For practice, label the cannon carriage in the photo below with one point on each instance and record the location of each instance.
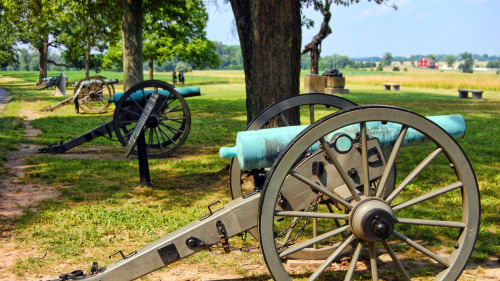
(334, 193)
(167, 128)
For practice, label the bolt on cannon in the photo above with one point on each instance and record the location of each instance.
(336, 191)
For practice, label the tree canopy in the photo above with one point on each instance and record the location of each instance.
(38, 23)
(8, 54)
(178, 33)
(168, 29)
(91, 25)
(450, 60)
(386, 59)
(467, 66)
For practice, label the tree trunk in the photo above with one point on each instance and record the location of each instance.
(270, 38)
(315, 60)
(132, 42)
(150, 68)
(87, 59)
(88, 35)
(314, 47)
(43, 51)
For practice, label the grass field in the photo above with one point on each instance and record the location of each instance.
(101, 209)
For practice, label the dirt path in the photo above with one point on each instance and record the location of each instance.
(16, 197)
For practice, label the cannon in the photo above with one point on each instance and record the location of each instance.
(90, 95)
(259, 149)
(50, 82)
(340, 202)
(167, 127)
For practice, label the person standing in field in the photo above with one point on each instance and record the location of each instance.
(181, 77)
(174, 77)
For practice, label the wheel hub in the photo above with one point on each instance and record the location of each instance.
(372, 220)
(93, 95)
(153, 121)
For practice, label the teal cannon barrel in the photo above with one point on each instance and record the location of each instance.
(258, 149)
(185, 92)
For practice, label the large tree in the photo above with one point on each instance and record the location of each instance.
(172, 32)
(270, 38)
(169, 20)
(73, 26)
(38, 23)
(175, 30)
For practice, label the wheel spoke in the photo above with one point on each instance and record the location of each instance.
(173, 120)
(413, 174)
(161, 135)
(320, 188)
(170, 101)
(431, 222)
(172, 128)
(164, 101)
(421, 249)
(364, 156)
(331, 258)
(311, 215)
(165, 134)
(132, 112)
(396, 260)
(428, 196)
(354, 261)
(159, 141)
(290, 231)
(174, 109)
(315, 240)
(311, 113)
(390, 162)
(136, 103)
(337, 223)
(283, 118)
(127, 122)
(373, 261)
(128, 133)
(347, 180)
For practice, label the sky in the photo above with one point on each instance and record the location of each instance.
(367, 29)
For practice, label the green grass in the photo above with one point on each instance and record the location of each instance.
(101, 208)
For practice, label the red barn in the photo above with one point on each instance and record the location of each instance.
(427, 62)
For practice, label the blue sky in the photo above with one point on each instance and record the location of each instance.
(417, 27)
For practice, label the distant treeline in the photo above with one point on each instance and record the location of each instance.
(232, 59)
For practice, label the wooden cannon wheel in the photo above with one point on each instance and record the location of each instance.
(93, 93)
(168, 126)
(432, 214)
